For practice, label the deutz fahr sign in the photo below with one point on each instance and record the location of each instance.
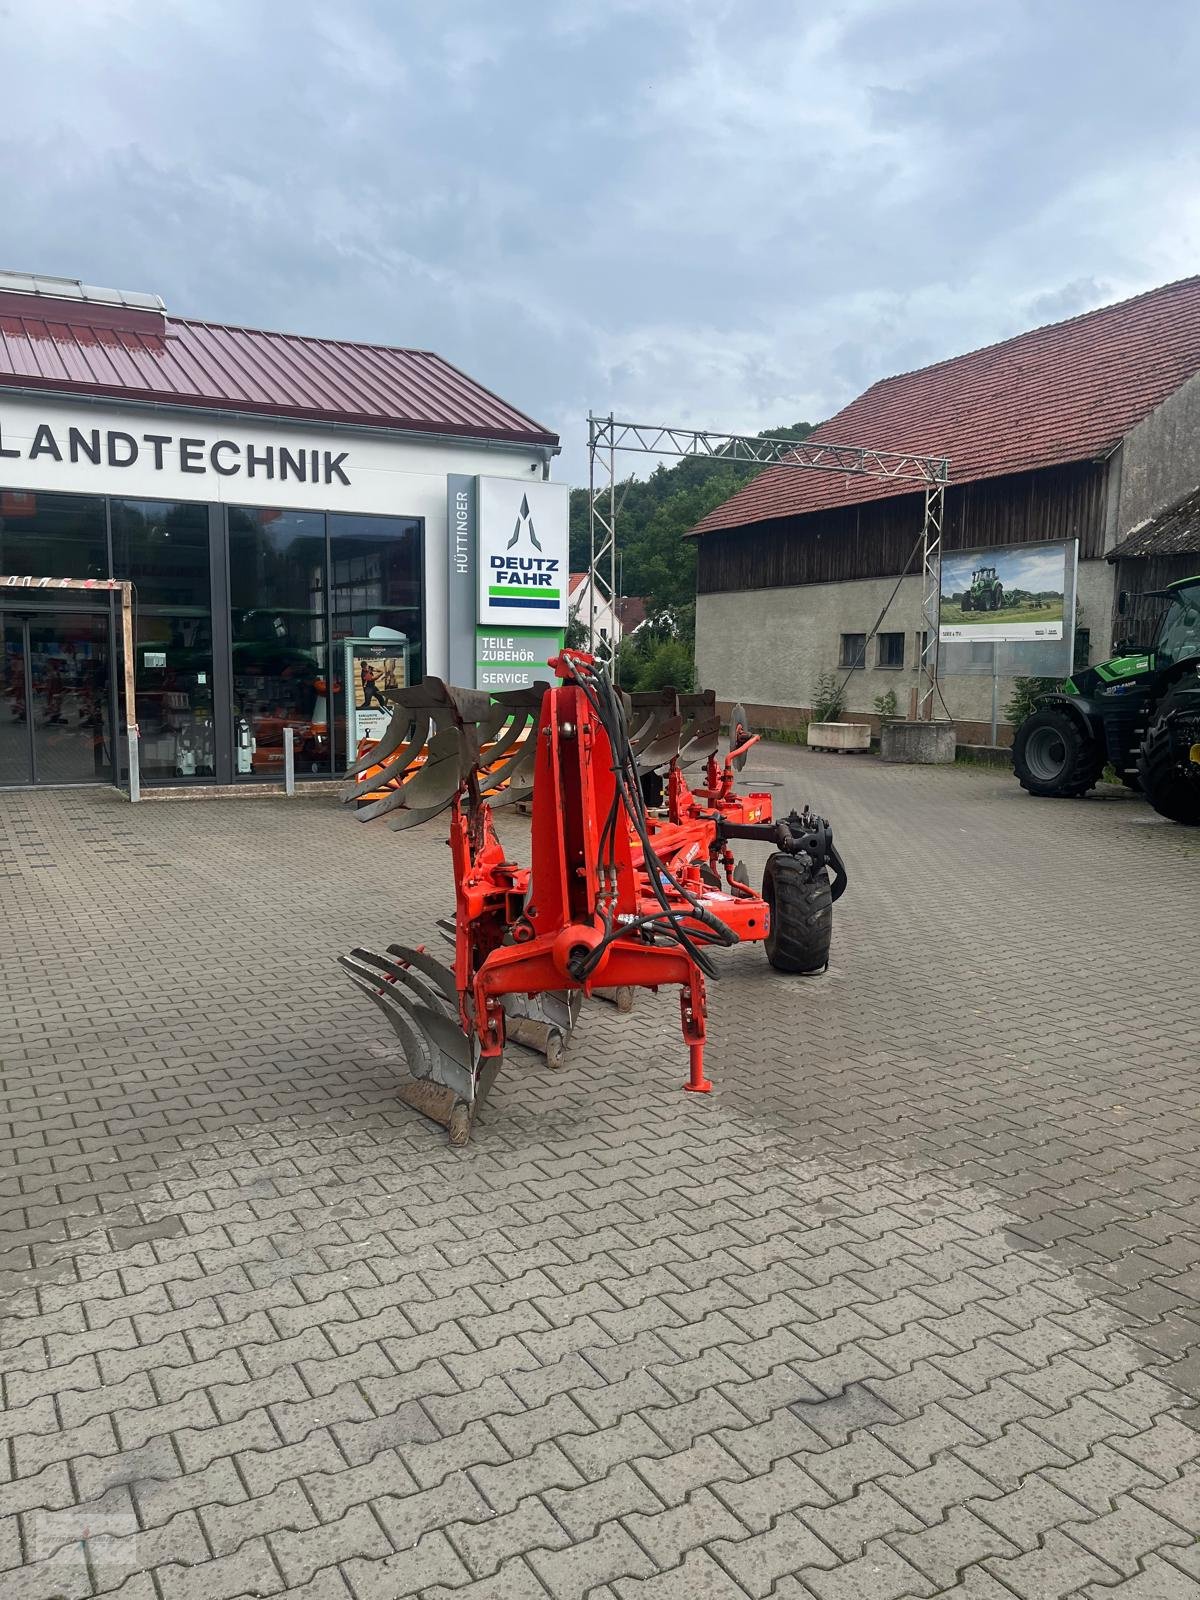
(522, 553)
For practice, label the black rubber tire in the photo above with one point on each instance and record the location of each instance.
(1054, 756)
(801, 908)
(1170, 780)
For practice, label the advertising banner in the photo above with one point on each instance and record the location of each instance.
(371, 668)
(522, 553)
(1013, 593)
(513, 658)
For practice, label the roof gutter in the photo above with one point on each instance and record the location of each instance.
(546, 452)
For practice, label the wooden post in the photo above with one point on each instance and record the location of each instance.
(127, 647)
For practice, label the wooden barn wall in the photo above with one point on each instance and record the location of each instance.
(875, 540)
(1139, 575)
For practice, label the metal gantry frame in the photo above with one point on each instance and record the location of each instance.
(607, 436)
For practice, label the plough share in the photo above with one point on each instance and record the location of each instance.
(620, 894)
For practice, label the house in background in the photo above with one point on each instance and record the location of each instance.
(615, 624)
(1088, 429)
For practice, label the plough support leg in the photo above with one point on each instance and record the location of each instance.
(691, 1011)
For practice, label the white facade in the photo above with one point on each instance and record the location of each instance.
(185, 453)
(607, 623)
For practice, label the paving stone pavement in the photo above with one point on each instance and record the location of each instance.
(909, 1307)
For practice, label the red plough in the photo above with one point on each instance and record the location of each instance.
(618, 896)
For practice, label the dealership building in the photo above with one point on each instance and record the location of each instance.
(1083, 434)
(272, 499)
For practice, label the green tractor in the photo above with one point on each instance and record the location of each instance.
(1140, 711)
(986, 592)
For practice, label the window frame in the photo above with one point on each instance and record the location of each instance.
(889, 666)
(220, 616)
(860, 661)
(332, 642)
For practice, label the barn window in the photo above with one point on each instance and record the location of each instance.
(854, 650)
(891, 650)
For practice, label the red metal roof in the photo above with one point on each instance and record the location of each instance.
(139, 355)
(1067, 392)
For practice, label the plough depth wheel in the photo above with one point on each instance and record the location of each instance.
(801, 905)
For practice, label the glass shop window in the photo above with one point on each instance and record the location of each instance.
(277, 593)
(52, 535)
(162, 547)
(376, 591)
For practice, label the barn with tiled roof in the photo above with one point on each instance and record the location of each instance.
(1079, 431)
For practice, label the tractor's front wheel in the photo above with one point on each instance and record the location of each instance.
(1169, 760)
(1053, 755)
(801, 908)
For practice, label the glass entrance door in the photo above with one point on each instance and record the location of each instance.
(56, 715)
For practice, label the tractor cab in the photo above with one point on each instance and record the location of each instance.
(1138, 711)
(1178, 636)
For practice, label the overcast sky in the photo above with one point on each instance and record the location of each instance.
(723, 213)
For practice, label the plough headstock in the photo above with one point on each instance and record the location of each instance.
(617, 897)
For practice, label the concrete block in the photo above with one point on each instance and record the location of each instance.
(928, 743)
(840, 735)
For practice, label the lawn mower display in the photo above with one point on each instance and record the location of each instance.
(1140, 711)
(617, 896)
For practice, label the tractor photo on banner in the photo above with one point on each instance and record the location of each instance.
(1008, 594)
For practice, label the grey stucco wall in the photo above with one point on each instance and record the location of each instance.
(1094, 603)
(767, 646)
(1159, 459)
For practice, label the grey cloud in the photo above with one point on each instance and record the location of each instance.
(697, 210)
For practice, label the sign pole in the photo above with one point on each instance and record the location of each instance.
(995, 694)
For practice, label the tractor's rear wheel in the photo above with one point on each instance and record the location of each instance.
(1053, 755)
(801, 908)
(1169, 760)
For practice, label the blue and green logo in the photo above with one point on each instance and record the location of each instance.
(525, 582)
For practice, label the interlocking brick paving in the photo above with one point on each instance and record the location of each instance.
(909, 1307)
